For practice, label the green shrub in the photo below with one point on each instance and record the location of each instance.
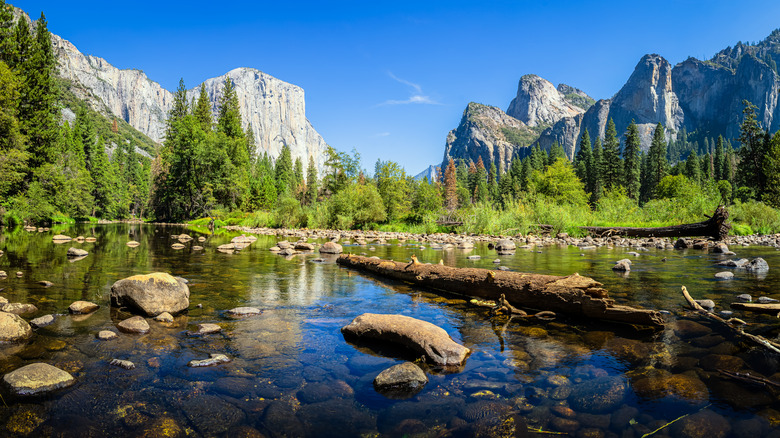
(259, 219)
(757, 215)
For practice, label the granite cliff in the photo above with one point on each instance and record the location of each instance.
(275, 109)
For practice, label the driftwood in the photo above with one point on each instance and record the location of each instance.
(737, 332)
(715, 227)
(751, 380)
(773, 308)
(572, 295)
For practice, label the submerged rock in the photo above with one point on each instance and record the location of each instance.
(13, 328)
(126, 364)
(741, 263)
(419, 336)
(704, 424)
(105, 335)
(757, 265)
(76, 252)
(622, 265)
(599, 395)
(135, 324)
(151, 294)
(37, 378)
(215, 359)
(82, 307)
(244, 311)
(725, 275)
(400, 381)
(42, 321)
(206, 329)
(164, 317)
(61, 238)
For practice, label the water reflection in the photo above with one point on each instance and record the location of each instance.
(293, 374)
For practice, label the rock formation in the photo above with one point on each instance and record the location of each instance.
(275, 110)
(538, 102)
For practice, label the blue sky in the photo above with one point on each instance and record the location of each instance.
(390, 79)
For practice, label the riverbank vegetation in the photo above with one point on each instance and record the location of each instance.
(57, 168)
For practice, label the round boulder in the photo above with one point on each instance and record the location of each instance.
(135, 324)
(331, 248)
(13, 328)
(151, 294)
(37, 378)
(400, 381)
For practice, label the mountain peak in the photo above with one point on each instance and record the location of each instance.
(539, 103)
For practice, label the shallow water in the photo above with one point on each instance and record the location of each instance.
(293, 374)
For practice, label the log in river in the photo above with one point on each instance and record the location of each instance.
(572, 295)
(715, 227)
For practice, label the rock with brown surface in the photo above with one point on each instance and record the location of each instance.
(135, 324)
(75, 252)
(13, 328)
(400, 381)
(419, 336)
(82, 307)
(331, 248)
(151, 294)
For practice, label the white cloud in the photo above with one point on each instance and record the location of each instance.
(416, 94)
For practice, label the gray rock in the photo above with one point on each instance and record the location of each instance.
(600, 395)
(19, 308)
(331, 248)
(76, 252)
(135, 324)
(400, 381)
(538, 102)
(765, 300)
(42, 321)
(741, 263)
(244, 311)
(622, 265)
(419, 336)
(720, 248)
(215, 359)
(151, 294)
(304, 246)
(757, 265)
(707, 304)
(60, 238)
(82, 307)
(133, 244)
(126, 364)
(506, 245)
(37, 378)
(745, 297)
(473, 257)
(206, 329)
(725, 275)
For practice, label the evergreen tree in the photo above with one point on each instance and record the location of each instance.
(752, 152)
(38, 112)
(493, 182)
(516, 175)
(481, 191)
(229, 120)
(658, 167)
(612, 165)
(180, 107)
(692, 167)
(538, 158)
(584, 161)
(597, 172)
(7, 46)
(525, 174)
(284, 173)
(632, 162)
(312, 187)
(719, 161)
(772, 170)
(298, 183)
(251, 146)
(202, 110)
(505, 188)
(556, 152)
(13, 147)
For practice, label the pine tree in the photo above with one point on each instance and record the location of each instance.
(632, 162)
(202, 110)
(251, 146)
(597, 172)
(612, 165)
(556, 152)
(692, 167)
(658, 167)
(493, 182)
(719, 160)
(481, 191)
(450, 186)
(229, 120)
(38, 112)
(13, 147)
(298, 186)
(538, 158)
(311, 182)
(505, 188)
(752, 152)
(772, 170)
(7, 48)
(516, 175)
(284, 173)
(584, 160)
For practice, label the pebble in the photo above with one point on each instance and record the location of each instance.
(126, 364)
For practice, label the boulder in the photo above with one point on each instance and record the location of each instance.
(82, 307)
(13, 328)
(304, 246)
(151, 294)
(741, 263)
(135, 324)
(75, 252)
(505, 245)
(757, 265)
(400, 381)
(683, 243)
(59, 238)
(105, 335)
(42, 321)
(725, 275)
(37, 378)
(164, 317)
(703, 424)
(19, 308)
(206, 329)
(422, 337)
(244, 311)
(331, 248)
(622, 265)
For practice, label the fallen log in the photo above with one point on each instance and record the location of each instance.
(715, 227)
(737, 332)
(572, 295)
(771, 308)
